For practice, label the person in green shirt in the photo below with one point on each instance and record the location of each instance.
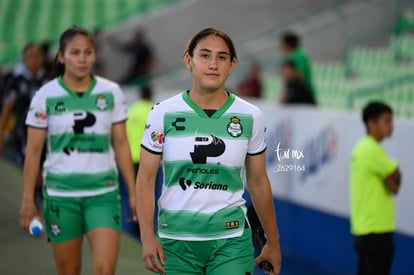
(291, 46)
(374, 178)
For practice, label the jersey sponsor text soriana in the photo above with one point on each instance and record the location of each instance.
(203, 159)
(80, 160)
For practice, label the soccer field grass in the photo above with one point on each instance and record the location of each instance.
(23, 254)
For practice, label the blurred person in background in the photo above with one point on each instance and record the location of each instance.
(205, 137)
(141, 58)
(290, 45)
(135, 125)
(295, 90)
(2, 80)
(80, 118)
(49, 62)
(25, 79)
(137, 116)
(251, 86)
(20, 86)
(374, 178)
(98, 67)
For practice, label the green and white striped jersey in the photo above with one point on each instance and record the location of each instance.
(80, 160)
(203, 158)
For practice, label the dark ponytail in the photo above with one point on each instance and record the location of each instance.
(58, 68)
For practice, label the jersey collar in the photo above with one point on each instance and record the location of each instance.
(201, 112)
(72, 93)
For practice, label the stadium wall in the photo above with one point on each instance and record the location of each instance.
(310, 184)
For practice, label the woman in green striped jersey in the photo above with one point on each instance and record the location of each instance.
(205, 137)
(81, 119)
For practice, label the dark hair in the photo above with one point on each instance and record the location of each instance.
(28, 46)
(206, 32)
(67, 36)
(374, 109)
(45, 45)
(146, 92)
(291, 39)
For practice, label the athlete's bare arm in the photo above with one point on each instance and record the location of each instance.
(258, 185)
(35, 142)
(152, 253)
(124, 161)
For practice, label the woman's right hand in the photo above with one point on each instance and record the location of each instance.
(27, 212)
(153, 255)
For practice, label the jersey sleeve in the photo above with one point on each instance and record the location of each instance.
(257, 143)
(379, 163)
(119, 113)
(37, 114)
(153, 136)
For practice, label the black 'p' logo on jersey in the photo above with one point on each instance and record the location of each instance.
(83, 120)
(207, 146)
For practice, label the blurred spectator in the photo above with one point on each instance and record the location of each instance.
(48, 59)
(98, 67)
(295, 89)
(291, 46)
(2, 80)
(141, 58)
(25, 79)
(374, 178)
(251, 86)
(137, 116)
(135, 125)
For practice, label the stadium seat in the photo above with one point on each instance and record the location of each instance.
(377, 73)
(38, 21)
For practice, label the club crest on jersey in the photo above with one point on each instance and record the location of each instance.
(101, 102)
(234, 128)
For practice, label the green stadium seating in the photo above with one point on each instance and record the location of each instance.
(22, 21)
(369, 73)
